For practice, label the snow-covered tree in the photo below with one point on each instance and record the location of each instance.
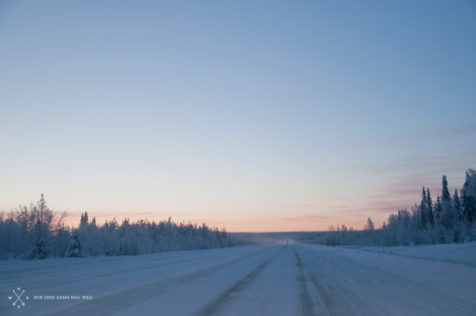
(457, 206)
(37, 232)
(423, 224)
(445, 193)
(429, 208)
(74, 249)
(423, 209)
(84, 221)
(469, 197)
(39, 251)
(447, 213)
(438, 210)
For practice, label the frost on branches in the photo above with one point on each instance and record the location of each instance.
(36, 232)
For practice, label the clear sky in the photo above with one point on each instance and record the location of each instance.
(253, 115)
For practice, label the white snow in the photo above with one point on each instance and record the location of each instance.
(297, 279)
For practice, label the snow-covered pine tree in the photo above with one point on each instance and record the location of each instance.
(445, 193)
(438, 210)
(447, 218)
(457, 206)
(468, 197)
(84, 220)
(429, 207)
(74, 249)
(469, 207)
(423, 209)
(39, 251)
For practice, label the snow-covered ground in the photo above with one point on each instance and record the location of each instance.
(293, 279)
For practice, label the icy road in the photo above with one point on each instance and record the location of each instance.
(253, 280)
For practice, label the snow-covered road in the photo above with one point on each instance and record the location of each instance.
(293, 279)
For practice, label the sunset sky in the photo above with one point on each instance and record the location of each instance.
(252, 115)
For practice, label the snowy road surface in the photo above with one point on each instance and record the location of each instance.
(290, 279)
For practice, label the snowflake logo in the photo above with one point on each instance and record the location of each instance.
(18, 302)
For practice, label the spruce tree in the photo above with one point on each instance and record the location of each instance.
(469, 208)
(39, 251)
(447, 216)
(84, 220)
(445, 193)
(74, 249)
(438, 210)
(457, 206)
(42, 203)
(429, 207)
(468, 197)
(423, 211)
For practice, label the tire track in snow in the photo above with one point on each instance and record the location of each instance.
(120, 272)
(117, 301)
(463, 302)
(335, 298)
(217, 304)
(335, 275)
(317, 298)
(306, 299)
(52, 271)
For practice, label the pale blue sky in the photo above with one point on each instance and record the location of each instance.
(255, 115)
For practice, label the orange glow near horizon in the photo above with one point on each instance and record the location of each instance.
(279, 224)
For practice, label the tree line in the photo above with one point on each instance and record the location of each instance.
(36, 232)
(451, 218)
